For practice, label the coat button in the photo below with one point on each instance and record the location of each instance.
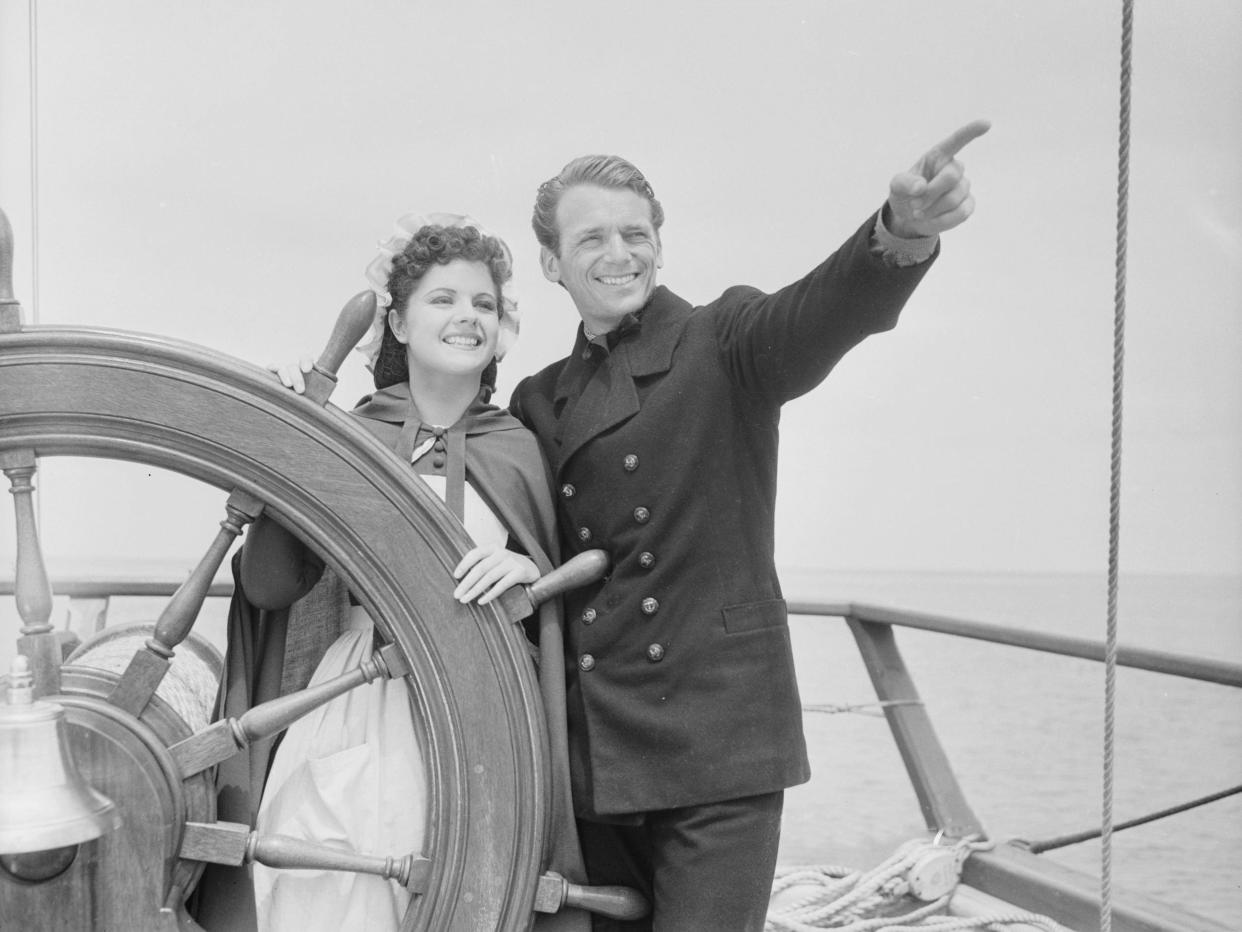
(630, 462)
(586, 663)
(437, 461)
(655, 653)
(641, 514)
(568, 491)
(588, 616)
(646, 559)
(650, 606)
(584, 534)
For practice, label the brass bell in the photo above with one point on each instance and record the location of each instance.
(46, 808)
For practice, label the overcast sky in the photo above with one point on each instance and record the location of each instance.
(220, 172)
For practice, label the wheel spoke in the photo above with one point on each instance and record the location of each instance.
(555, 893)
(10, 307)
(31, 588)
(225, 738)
(233, 843)
(351, 326)
(141, 679)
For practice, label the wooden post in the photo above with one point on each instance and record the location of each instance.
(940, 797)
(88, 615)
(10, 308)
(143, 675)
(31, 588)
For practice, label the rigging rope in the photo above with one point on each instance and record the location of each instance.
(1114, 491)
(34, 162)
(1061, 841)
(861, 708)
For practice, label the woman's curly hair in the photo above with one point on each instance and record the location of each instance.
(436, 245)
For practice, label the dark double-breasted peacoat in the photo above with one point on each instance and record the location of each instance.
(663, 446)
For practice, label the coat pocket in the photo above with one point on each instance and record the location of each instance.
(754, 616)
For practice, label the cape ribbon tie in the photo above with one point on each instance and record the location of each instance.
(454, 438)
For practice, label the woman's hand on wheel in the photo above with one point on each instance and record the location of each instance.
(486, 572)
(293, 375)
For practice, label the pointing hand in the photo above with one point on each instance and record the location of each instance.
(934, 195)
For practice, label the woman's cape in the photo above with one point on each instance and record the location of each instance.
(504, 465)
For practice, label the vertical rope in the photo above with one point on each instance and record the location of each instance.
(35, 305)
(34, 161)
(1114, 496)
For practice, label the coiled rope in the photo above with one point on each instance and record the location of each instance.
(1114, 488)
(192, 680)
(811, 899)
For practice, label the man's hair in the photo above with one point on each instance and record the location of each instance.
(606, 171)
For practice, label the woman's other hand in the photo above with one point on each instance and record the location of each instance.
(485, 572)
(293, 375)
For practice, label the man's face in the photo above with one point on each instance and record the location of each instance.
(609, 253)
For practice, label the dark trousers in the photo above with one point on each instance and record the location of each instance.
(703, 868)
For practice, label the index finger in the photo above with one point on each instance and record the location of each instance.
(469, 559)
(956, 142)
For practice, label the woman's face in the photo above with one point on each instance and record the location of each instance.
(452, 320)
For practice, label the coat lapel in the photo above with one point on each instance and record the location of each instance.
(608, 399)
(611, 397)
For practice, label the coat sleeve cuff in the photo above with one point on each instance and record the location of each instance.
(899, 252)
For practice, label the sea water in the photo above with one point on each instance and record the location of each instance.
(1024, 731)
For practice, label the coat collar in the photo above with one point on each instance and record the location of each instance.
(646, 350)
(610, 396)
(391, 405)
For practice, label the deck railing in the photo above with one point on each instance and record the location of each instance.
(1008, 871)
(90, 598)
(1194, 668)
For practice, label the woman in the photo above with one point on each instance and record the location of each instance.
(351, 774)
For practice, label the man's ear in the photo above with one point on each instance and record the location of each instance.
(550, 264)
(659, 251)
(396, 322)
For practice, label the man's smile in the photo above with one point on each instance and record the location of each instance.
(617, 279)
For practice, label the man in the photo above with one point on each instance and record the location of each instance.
(661, 430)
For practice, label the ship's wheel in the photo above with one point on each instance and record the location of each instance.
(207, 416)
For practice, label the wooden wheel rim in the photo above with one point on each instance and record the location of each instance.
(210, 417)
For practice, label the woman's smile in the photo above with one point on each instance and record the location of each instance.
(464, 340)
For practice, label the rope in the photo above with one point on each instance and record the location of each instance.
(1114, 489)
(862, 708)
(34, 161)
(193, 678)
(1061, 841)
(837, 898)
(948, 923)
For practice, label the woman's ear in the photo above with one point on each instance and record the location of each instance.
(396, 323)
